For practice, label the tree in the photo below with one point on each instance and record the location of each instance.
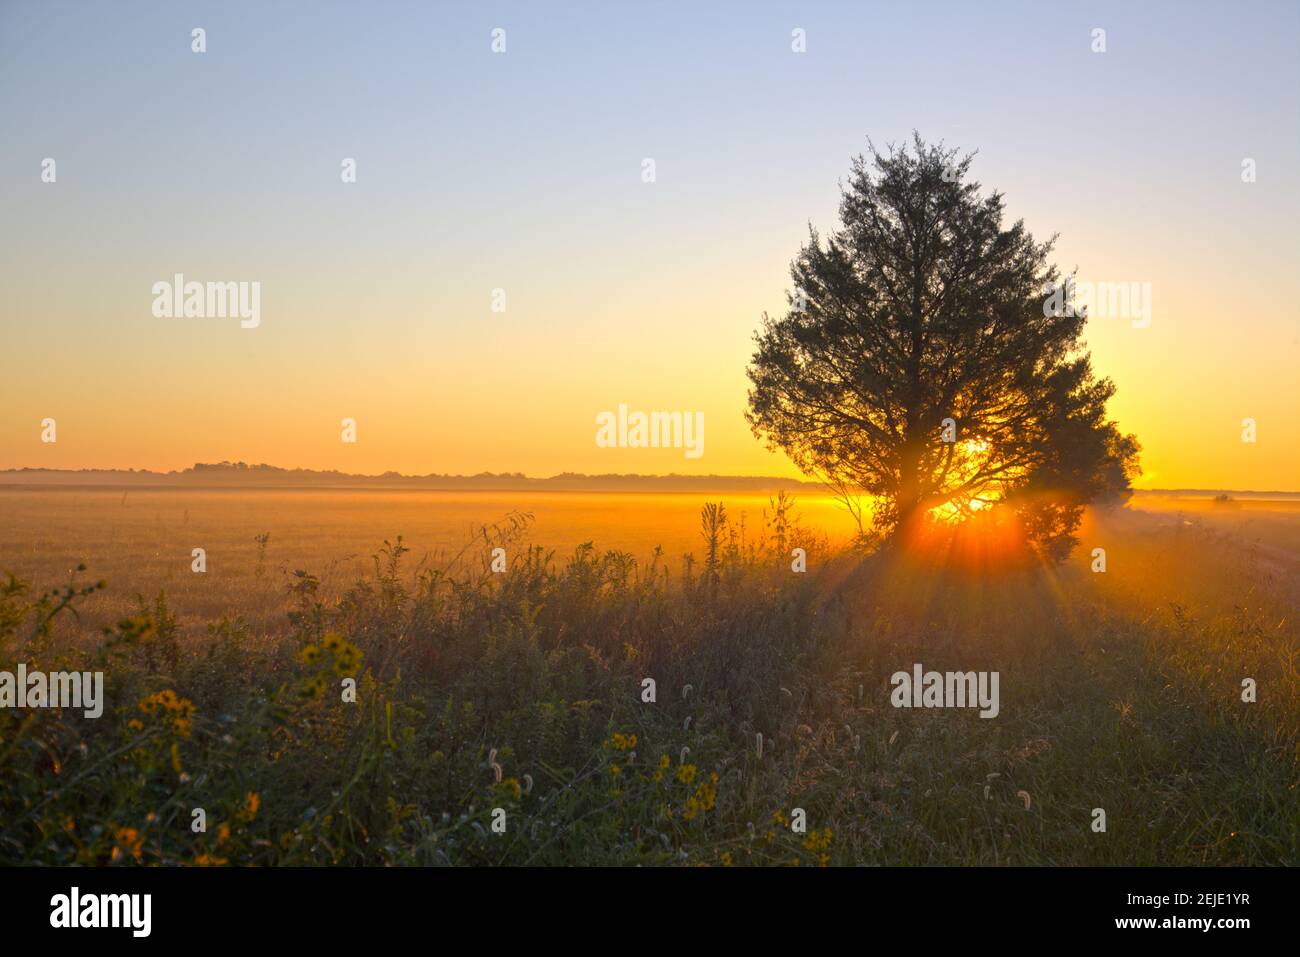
(919, 364)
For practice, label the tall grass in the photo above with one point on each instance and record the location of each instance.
(503, 718)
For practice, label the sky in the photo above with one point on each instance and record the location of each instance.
(522, 171)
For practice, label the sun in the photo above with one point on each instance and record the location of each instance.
(968, 457)
(958, 510)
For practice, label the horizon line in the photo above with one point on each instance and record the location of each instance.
(392, 475)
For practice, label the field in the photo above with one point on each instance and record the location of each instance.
(501, 718)
(141, 540)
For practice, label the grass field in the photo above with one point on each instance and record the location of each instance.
(141, 540)
(516, 699)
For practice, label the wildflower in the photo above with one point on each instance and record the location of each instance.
(333, 642)
(177, 711)
(664, 762)
(252, 801)
(347, 662)
(725, 858)
(309, 655)
(313, 687)
(128, 843)
(818, 840)
(707, 793)
(686, 773)
(621, 742)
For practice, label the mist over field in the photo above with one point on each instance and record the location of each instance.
(140, 539)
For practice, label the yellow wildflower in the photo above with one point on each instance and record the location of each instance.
(707, 793)
(179, 711)
(252, 802)
(818, 840)
(347, 661)
(128, 843)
